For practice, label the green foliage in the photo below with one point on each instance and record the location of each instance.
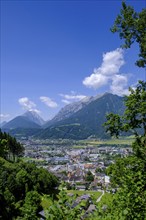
(89, 177)
(31, 206)
(3, 148)
(17, 180)
(99, 170)
(134, 118)
(68, 186)
(131, 27)
(21, 184)
(94, 194)
(128, 175)
(9, 148)
(64, 208)
(105, 210)
(46, 201)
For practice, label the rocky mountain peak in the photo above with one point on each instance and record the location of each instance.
(34, 117)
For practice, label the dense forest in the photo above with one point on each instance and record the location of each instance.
(21, 183)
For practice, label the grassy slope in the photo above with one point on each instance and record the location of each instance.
(113, 141)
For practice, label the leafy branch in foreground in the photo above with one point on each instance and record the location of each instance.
(64, 209)
(131, 27)
(128, 175)
(134, 118)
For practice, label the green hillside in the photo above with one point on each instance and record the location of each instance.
(20, 122)
(86, 122)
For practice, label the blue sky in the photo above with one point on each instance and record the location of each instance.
(57, 52)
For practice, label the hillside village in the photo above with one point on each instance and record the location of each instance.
(81, 166)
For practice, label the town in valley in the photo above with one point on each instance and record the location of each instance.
(80, 164)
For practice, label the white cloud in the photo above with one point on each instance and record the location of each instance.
(48, 102)
(112, 62)
(4, 116)
(119, 85)
(95, 80)
(108, 72)
(65, 101)
(68, 98)
(28, 105)
(35, 110)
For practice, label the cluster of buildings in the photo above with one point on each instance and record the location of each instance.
(73, 163)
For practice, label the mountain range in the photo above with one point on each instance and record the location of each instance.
(79, 120)
(69, 110)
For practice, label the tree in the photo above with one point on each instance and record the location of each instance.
(3, 148)
(31, 206)
(65, 208)
(21, 184)
(68, 186)
(131, 27)
(89, 176)
(134, 118)
(99, 170)
(128, 175)
(10, 148)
